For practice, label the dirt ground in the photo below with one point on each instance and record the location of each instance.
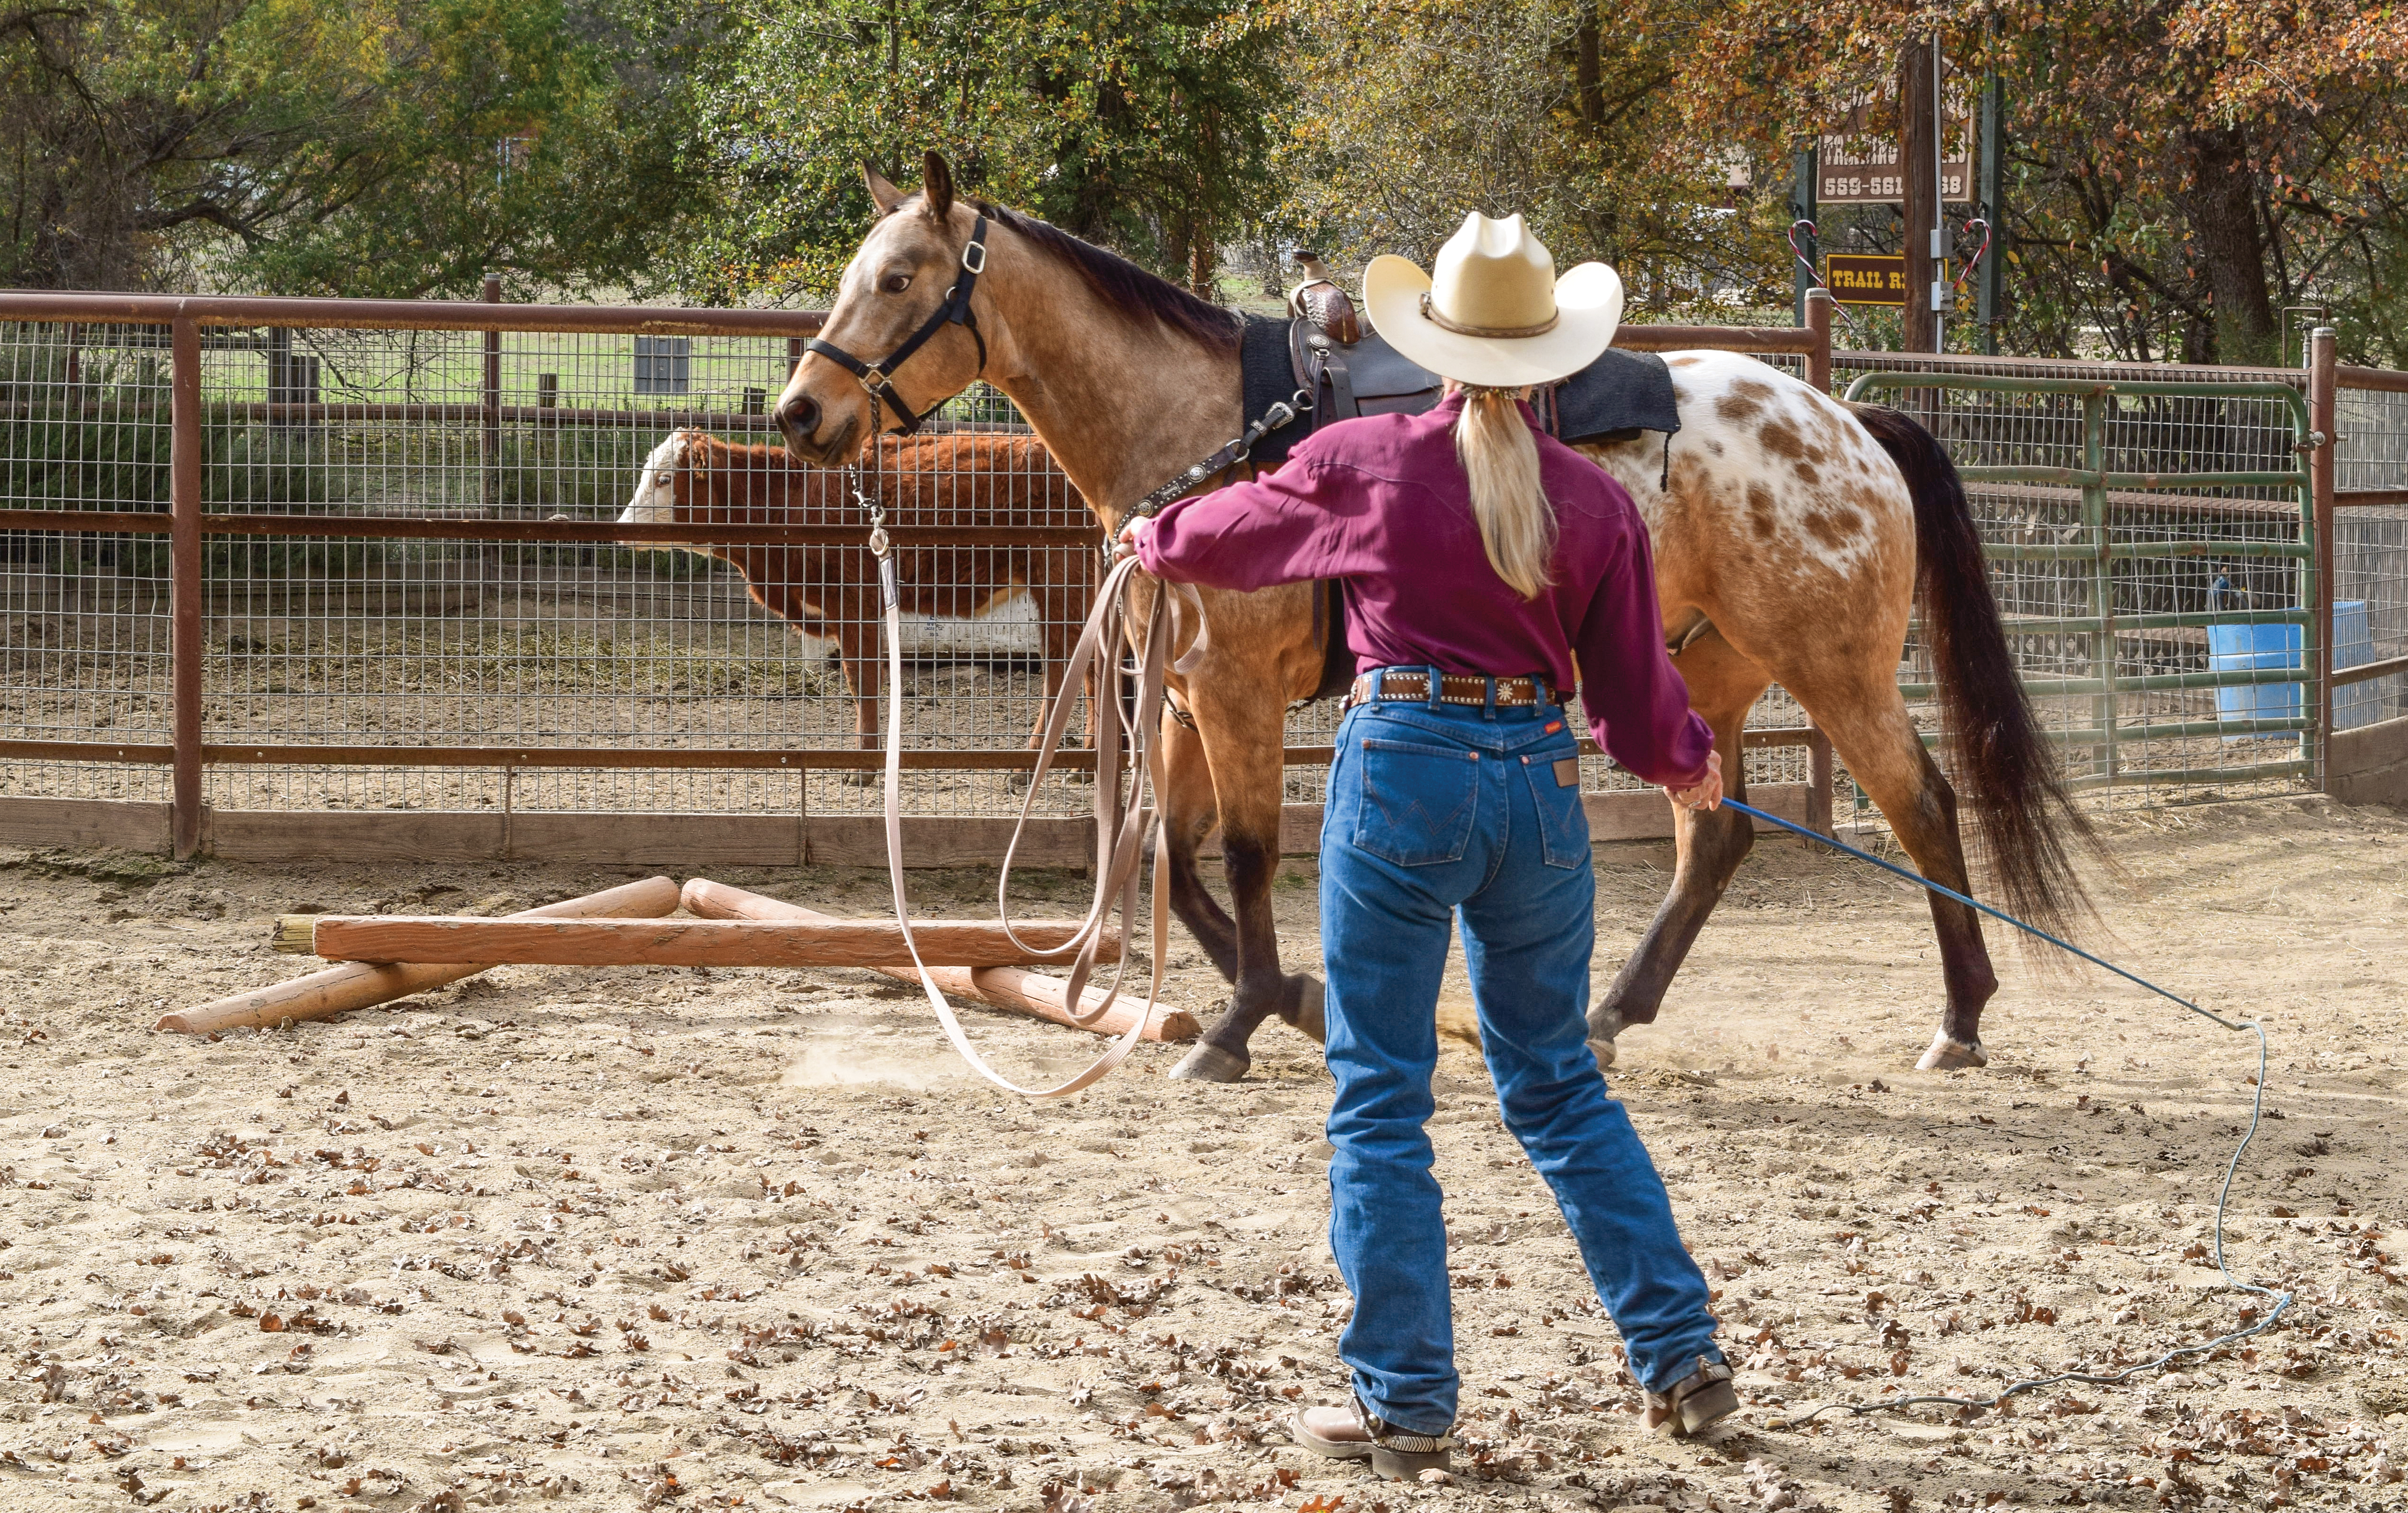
(647, 1237)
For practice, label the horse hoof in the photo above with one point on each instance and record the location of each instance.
(1604, 1025)
(1601, 1046)
(1210, 1064)
(1308, 1018)
(1948, 1054)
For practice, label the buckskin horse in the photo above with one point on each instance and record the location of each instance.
(1791, 535)
(694, 479)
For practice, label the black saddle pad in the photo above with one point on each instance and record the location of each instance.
(1619, 394)
(1268, 379)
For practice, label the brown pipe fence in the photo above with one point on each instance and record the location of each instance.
(402, 495)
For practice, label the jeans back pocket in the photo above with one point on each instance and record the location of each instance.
(1414, 804)
(1563, 819)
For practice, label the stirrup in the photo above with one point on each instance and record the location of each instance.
(1695, 1404)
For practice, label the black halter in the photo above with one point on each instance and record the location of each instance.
(877, 378)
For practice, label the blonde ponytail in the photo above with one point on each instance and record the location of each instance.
(1518, 525)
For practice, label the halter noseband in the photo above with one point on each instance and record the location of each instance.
(877, 378)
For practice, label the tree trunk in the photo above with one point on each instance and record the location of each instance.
(1916, 88)
(1589, 87)
(2221, 203)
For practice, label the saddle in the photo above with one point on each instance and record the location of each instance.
(1322, 352)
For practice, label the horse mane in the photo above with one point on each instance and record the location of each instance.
(1124, 286)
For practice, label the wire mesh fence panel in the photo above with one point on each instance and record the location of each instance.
(2370, 558)
(83, 614)
(695, 653)
(522, 629)
(2153, 619)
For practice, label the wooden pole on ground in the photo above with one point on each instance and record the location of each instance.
(669, 942)
(360, 985)
(1003, 988)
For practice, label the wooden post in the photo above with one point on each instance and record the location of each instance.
(1918, 162)
(359, 985)
(489, 435)
(186, 623)
(1818, 321)
(672, 942)
(1004, 988)
(1820, 777)
(2322, 420)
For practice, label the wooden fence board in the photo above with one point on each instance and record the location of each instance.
(85, 824)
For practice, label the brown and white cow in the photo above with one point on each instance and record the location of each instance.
(947, 479)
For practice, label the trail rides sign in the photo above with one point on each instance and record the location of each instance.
(1858, 166)
(1868, 278)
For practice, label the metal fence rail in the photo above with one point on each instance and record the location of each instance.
(270, 570)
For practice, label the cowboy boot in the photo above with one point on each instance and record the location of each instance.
(1354, 1433)
(1695, 1404)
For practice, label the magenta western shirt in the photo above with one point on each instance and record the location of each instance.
(1382, 504)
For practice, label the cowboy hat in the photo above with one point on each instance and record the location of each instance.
(1492, 312)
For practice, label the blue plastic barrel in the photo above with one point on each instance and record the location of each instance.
(2240, 648)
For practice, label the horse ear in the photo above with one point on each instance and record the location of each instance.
(882, 189)
(936, 186)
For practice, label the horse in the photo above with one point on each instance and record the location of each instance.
(693, 479)
(1792, 535)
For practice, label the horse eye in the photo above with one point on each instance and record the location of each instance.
(896, 282)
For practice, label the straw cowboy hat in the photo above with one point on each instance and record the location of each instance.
(1492, 312)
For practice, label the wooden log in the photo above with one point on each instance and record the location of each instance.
(1003, 988)
(359, 985)
(667, 942)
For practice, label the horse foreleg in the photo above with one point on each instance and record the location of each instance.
(1188, 816)
(1888, 759)
(1241, 740)
(1723, 686)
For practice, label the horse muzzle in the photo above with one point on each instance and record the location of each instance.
(800, 421)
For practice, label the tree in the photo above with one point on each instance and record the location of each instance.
(1145, 125)
(1413, 111)
(388, 147)
(2181, 169)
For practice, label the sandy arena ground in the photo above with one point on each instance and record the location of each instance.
(660, 1238)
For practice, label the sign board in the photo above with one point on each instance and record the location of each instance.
(1856, 167)
(1868, 278)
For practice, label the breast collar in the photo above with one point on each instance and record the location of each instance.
(877, 378)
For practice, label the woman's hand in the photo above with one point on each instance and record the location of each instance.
(1131, 529)
(1708, 793)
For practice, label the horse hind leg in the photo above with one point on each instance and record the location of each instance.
(1723, 686)
(1874, 735)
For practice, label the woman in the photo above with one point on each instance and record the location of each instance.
(1485, 566)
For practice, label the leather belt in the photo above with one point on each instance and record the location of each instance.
(1413, 685)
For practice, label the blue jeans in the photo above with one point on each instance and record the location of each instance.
(1445, 812)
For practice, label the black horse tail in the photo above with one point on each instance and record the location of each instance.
(2022, 814)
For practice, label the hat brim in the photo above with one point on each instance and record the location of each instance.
(1588, 309)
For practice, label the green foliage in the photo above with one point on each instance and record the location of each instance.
(1415, 111)
(1141, 125)
(351, 146)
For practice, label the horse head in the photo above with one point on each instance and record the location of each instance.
(895, 337)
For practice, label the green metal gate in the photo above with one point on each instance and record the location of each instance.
(2146, 566)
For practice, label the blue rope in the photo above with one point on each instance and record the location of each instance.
(2257, 1106)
